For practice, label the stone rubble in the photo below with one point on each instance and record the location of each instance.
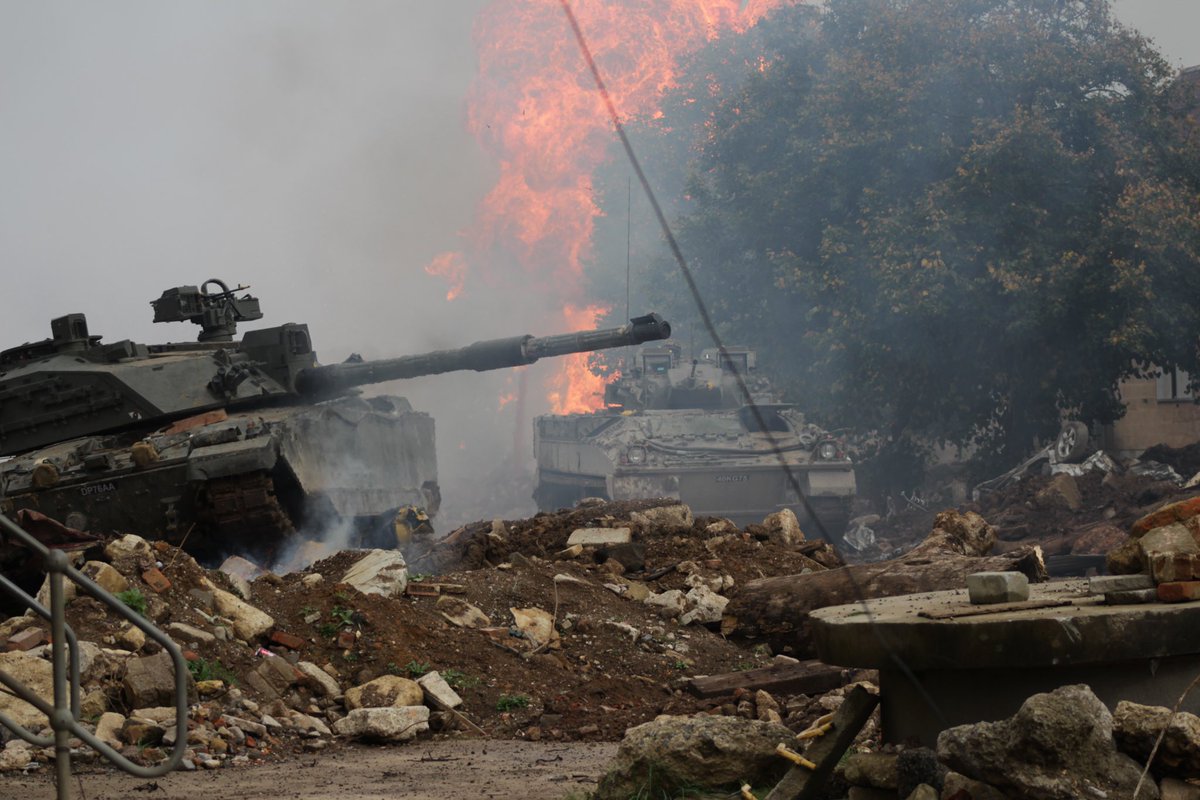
(1058, 744)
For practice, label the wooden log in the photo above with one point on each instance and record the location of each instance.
(777, 609)
(802, 783)
(784, 677)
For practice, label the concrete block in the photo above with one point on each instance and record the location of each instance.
(600, 536)
(1131, 597)
(1107, 584)
(997, 587)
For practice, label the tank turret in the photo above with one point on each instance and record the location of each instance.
(244, 440)
(660, 379)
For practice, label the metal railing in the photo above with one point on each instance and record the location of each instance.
(63, 715)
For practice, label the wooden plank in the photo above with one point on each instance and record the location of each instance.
(783, 677)
(992, 608)
(804, 784)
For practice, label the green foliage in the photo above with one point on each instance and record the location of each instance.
(416, 669)
(328, 630)
(459, 680)
(342, 617)
(204, 670)
(134, 599)
(962, 218)
(511, 702)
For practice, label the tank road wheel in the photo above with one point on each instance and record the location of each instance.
(1072, 442)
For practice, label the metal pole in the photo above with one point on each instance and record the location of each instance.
(61, 720)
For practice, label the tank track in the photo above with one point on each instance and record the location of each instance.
(244, 509)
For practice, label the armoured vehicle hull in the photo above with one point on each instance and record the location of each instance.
(227, 446)
(243, 483)
(708, 459)
(672, 431)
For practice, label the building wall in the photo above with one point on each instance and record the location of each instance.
(1156, 412)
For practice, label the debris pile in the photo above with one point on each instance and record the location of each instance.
(1076, 513)
(1060, 745)
(567, 626)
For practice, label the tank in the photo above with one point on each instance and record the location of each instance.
(228, 446)
(679, 429)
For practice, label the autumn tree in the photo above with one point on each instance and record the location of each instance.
(946, 220)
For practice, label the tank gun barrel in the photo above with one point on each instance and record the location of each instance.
(491, 354)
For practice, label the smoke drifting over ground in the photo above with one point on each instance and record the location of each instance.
(317, 152)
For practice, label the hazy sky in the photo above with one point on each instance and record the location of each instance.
(313, 149)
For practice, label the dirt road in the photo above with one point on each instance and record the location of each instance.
(422, 771)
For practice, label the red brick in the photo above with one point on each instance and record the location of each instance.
(156, 580)
(346, 639)
(422, 590)
(27, 639)
(288, 640)
(1176, 512)
(1179, 591)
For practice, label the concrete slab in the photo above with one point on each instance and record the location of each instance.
(942, 662)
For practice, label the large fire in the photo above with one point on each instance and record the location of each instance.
(535, 108)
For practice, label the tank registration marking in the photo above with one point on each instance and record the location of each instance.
(97, 488)
(732, 478)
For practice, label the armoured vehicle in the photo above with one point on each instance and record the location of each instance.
(673, 429)
(229, 446)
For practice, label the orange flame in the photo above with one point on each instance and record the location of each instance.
(535, 108)
(576, 389)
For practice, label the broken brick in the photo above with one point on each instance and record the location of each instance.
(156, 580)
(345, 639)
(288, 640)
(27, 639)
(1176, 512)
(1179, 591)
(1174, 567)
(422, 590)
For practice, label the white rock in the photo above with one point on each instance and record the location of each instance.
(707, 606)
(305, 722)
(132, 637)
(190, 633)
(248, 622)
(595, 537)
(438, 692)
(108, 729)
(396, 724)
(669, 517)
(37, 675)
(129, 546)
(15, 755)
(673, 602)
(381, 572)
(537, 625)
(319, 679)
(105, 576)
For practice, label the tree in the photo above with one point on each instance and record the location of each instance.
(954, 220)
